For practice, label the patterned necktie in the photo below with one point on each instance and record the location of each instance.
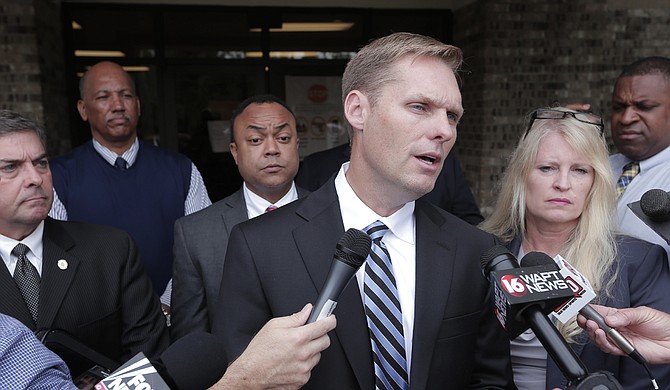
(271, 208)
(384, 317)
(27, 279)
(630, 170)
(120, 163)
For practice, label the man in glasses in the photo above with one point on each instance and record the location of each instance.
(641, 133)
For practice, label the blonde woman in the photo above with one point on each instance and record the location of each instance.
(558, 196)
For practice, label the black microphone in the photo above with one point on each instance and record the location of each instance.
(350, 253)
(194, 362)
(78, 356)
(587, 310)
(653, 209)
(498, 258)
(655, 203)
(516, 288)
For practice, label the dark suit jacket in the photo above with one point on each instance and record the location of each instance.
(200, 242)
(643, 280)
(278, 262)
(103, 297)
(451, 191)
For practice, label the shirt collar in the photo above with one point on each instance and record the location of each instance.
(357, 215)
(33, 241)
(659, 158)
(256, 205)
(129, 155)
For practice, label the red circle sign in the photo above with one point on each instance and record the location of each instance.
(317, 93)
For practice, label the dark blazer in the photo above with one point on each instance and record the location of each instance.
(200, 242)
(451, 191)
(100, 294)
(643, 280)
(279, 261)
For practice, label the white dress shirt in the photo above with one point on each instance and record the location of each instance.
(33, 241)
(257, 205)
(400, 242)
(654, 173)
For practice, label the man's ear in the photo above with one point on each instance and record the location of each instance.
(356, 109)
(233, 151)
(81, 107)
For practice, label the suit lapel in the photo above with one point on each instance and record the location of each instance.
(316, 240)
(236, 210)
(435, 259)
(58, 271)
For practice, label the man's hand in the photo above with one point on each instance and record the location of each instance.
(648, 329)
(584, 107)
(281, 355)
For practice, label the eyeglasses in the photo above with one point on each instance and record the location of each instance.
(585, 117)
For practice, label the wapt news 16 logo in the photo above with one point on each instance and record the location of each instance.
(515, 289)
(533, 280)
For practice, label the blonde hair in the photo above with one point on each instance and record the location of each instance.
(591, 248)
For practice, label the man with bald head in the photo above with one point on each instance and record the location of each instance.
(119, 180)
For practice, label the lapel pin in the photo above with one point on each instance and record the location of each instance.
(62, 264)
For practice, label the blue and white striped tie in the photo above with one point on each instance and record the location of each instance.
(384, 316)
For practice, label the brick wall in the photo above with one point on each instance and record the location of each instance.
(524, 54)
(520, 55)
(32, 66)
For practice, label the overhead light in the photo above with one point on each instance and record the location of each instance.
(310, 27)
(99, 53)
(136, 68)
(76, 26)
(284, 54)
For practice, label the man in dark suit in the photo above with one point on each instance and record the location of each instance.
(451, 191)
(85, 279)
(265, 148)
(401, 98)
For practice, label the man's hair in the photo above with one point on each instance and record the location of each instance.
(646, 66)
(12, 122)
(256, 99)
(370, 69)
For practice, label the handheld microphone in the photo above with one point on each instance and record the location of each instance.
(653, 209)
(350, 253)
(515, 289)
(655, 203)
(194, 362)
(584, 293)
(498, 258)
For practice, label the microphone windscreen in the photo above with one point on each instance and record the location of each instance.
(655, 204)
(532, 259)
(491, 254)
(353, 247)
(195, 361)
